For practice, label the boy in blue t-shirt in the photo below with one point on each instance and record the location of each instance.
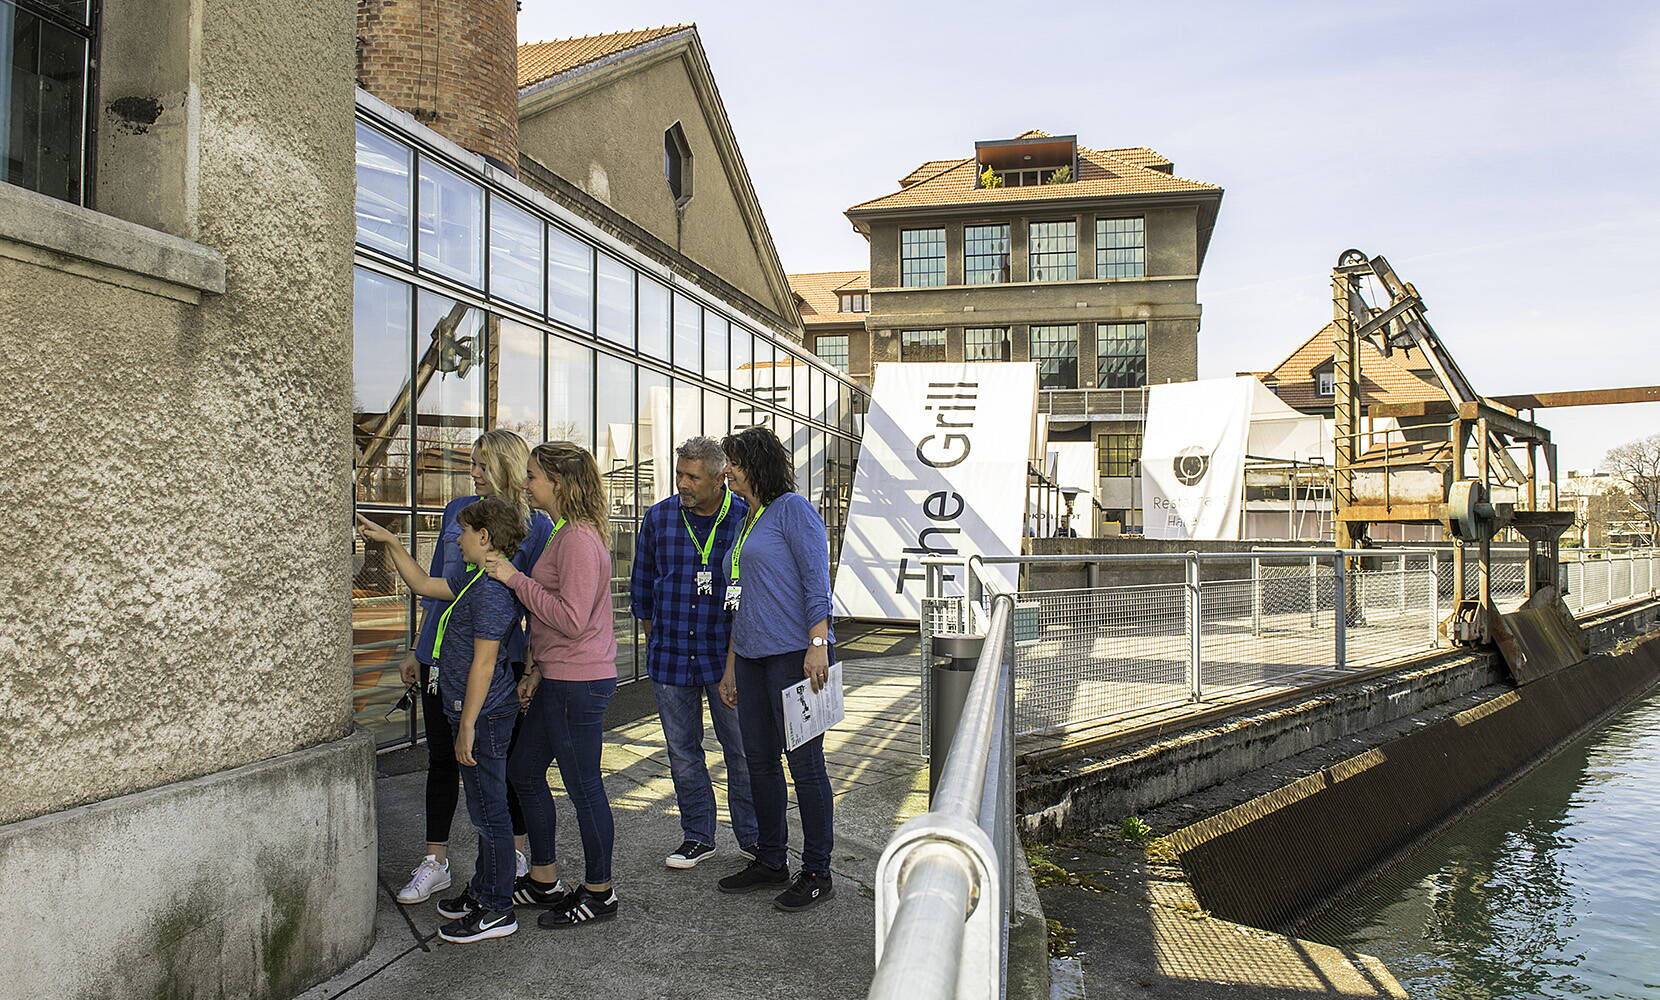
(476, 687)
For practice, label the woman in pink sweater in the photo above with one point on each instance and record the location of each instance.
(573, 646)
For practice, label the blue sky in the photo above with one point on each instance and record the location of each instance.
(1503, 156)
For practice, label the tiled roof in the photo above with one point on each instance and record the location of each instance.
(1382, 379)
(819, 295)
(540, 60)
(1101, 173)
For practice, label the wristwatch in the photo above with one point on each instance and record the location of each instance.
(819, 640)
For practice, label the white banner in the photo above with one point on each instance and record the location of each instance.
(942, 471)
(1193, 457)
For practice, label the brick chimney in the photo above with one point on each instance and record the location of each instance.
(452, 64)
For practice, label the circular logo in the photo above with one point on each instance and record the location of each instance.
(1190, 465)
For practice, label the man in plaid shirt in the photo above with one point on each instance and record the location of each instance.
(676, 592)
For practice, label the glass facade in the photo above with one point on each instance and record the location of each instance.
(985, 254)
(476, 309)
(1120, 248)
(48, 57)
(921, 258)
(1055, 349)
(1121, 355)
(1054, 251)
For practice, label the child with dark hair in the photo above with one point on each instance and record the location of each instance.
(479, 696)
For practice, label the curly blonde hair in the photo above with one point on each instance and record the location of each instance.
(577, 488)
(502, 455)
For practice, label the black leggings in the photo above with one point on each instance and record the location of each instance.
(444, 774)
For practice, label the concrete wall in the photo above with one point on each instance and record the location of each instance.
(619, 161)
(175, 468)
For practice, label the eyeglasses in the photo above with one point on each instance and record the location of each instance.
(407, 702)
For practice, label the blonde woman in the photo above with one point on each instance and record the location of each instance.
(573, 646)
(498, 464)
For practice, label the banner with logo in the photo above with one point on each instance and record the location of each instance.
(1193, 457)
(942, 471)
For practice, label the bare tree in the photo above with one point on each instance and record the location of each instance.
(1638, 463)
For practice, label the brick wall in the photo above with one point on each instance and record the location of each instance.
(453, 64)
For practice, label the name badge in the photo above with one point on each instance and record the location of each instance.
(705, 581)
(734, 593)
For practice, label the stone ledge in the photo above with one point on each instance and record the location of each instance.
(76, 236)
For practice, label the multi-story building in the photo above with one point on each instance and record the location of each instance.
(1035, 248)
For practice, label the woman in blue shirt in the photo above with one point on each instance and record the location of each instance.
(498, 469)
(779, 568)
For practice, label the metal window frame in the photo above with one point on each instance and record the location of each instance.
(905, 274)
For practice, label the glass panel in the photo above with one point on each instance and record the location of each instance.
(656, 479)
(825, 399)
(570, 280)
(449, 415)
(616, 301)
(383, 192)
(654, 319)
(380, 632)
(1055, 349)
(797, 442)
(688, 412)
(42, 105)
(688, 334)
(380, 380)
(816, 472)
(571, 392)
(452, 224)
(743, 357)
(922, 345)
(615, 452)
(1121, 350)
(921, 257)
(1054, 251)
(516, 378)
(985, 254)
(1120, 248)
(984, 343)
(515, 254)
(716, 416)
(832, 348)
(844, 406)
(717, 354)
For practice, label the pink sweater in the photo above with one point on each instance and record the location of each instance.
(568, 595)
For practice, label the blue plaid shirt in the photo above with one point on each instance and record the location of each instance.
(689, 631)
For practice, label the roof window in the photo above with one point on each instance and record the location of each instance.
(1026, 161)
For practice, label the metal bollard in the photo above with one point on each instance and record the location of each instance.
(952, 674)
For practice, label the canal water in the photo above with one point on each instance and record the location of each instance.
(1551, 889)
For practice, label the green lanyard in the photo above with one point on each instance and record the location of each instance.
(707, 545)
(557, 525)
(444, 619)
(738, 546)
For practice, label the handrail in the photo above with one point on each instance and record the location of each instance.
(944, 881)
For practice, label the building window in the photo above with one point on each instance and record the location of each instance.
(48, 51)
(1055, 251)
(985, 254)
(986, 343)
(677, 163)
(384, 193)
(853, 302)
(833, 349)
(1120, 455)
(1325, 384)
(570, 280)
(452, 224)
(922, 345)
(515, 254)
(1055, 349)
(1031, 176)
(1121, 355)
(921, 258)
(1120, 248)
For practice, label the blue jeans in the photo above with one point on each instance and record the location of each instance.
(486, 786)
(681, 709)
(566, 722)
(761, 683)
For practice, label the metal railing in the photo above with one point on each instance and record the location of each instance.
(944, 893)
(1159, 630)
(1101, 403)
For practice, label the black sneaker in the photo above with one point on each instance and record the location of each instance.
(460, 907)
(808, 890)
(583, 906)
(754, 875)
(529, 892)
(688, 854)
(480, 925)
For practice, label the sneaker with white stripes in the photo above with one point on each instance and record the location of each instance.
(529, 892)
(584, 906)
(430, 876)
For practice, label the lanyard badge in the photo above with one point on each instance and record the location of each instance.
(705, 577)
(443, 623)
(734, 592)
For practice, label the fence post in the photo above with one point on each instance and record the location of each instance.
(1195, 623)
(1434, 598)
(1313, 592)
(1256, 594)
(1340, 608)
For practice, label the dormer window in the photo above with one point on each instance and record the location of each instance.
(1325, 384)
(1027, 161)
(677, 163)
(853, 302)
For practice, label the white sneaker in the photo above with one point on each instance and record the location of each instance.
(521, 864)
(430, 876)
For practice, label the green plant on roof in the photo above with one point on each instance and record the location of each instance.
(990, 178)
(1135, 829)
(1062, 175)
